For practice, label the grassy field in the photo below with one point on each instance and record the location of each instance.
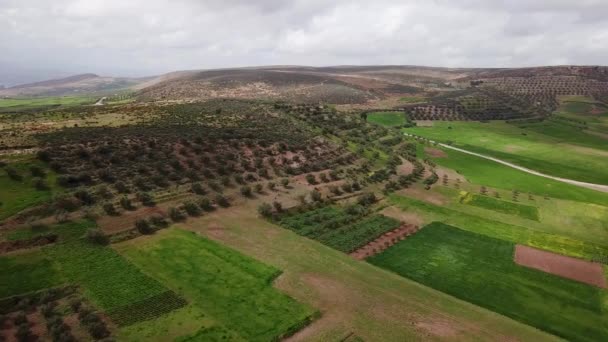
(548, 147)
(350, 293)
(335, 228)
(580, 108)
(481, 270)
(522, 210)
(39, 103)
(107, 279)
(27, 272)
(17, 195)
(492, 174)
(496, 226)
(233, 289)
(387, 119)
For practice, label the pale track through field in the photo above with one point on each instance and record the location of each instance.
(598, 187)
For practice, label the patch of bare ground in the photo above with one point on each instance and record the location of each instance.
(402, 216)
(405, 168)
(126, 220)
(424, 123)
(385, 241)
(512, 148)
(452, 175)
(435, 153)
(568, 267)
(425, 195)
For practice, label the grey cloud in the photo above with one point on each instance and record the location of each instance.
(140, 37)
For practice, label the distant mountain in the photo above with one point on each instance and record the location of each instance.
(90, 84)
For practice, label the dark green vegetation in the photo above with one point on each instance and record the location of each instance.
(25, 273)
(343, 229)
(20, 189)
(108, 280)
(525, 211)
(234, 289)
(481, 270)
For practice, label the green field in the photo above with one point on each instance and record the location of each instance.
(481, 270)
(593, 113)
(548, 147)
(233, 289)
(522, 210)
(492, 174)
(27, 272)
(334, 227)
(387, 119)
(107, 279)
(552, 238)
(41, 103)
(17, 195)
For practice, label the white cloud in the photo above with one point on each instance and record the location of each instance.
(154, 36)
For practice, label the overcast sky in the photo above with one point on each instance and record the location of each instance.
(144, 37)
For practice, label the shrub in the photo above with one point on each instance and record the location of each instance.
(192, 209)
(198, 189)
(246, 191)
(159, 221)
(285, 182)
(126, 203)
(176, 215)
(146, 199)
(95, 235)
(265, 209)
(277, 206)
(310, 178)
(98, 330)
(259, 188)
(271, 186)
(205, 204)
(143, 227)
(315, 196)
(110, 209)
(367, 199)
(85, 197)
(222, 201)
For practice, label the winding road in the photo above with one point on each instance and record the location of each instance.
(598, 187)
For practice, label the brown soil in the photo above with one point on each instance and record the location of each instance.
(580, 270)
(384, 241)
(402, 216)
(435, 153)
(406, 168)
(425, 195)
(126, 220)
(9, 246)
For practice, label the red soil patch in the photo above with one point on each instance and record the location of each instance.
(435, 153)
(576, 269)
(9, 246)
(384, 241)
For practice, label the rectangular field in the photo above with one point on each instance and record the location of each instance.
(388, 119)
(234, 290)
(480, 269)
(506, 207)
(591, 273)
(334, 227)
